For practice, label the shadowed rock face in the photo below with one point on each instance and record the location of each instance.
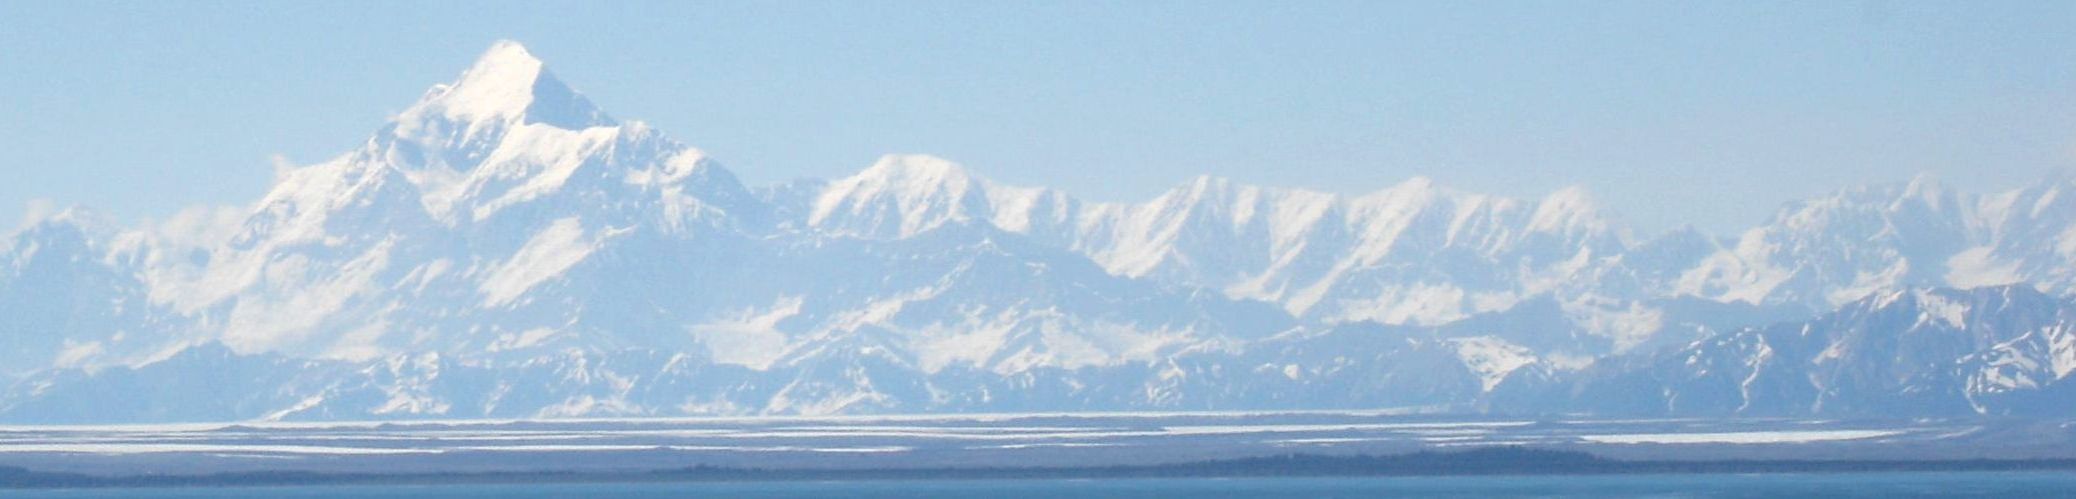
(504, 248)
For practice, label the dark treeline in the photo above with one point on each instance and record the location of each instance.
(1483, 461)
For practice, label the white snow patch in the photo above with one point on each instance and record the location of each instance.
(1627, 324)
(527, 338)
(750, 338)
(1953, 313)
(1491, 358)
(1977, 267)
(76, 354)
(302, 294)
(306, 404)
(1416, 304)
(544, 156)
(549, 253)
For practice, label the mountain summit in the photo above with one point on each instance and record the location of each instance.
(507, 84)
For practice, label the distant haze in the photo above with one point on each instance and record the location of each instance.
(1708, 113)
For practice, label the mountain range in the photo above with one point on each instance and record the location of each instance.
(504, 248)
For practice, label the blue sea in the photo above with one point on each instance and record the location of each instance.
(1882, 485)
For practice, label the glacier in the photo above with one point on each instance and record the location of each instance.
(504, 248)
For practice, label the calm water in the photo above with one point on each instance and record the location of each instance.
(1884, 485)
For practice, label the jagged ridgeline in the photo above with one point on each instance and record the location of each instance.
(503, 248)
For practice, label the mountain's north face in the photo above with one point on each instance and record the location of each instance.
(503, 248)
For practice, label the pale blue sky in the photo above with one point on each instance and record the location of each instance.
(1712, 113)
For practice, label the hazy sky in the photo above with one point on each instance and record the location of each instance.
(1710, 113)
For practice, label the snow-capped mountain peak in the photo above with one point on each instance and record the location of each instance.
(901, 195)
(507, 83)
(508, 95)
(1567, 210)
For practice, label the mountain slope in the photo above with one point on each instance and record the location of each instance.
(1939, 352)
